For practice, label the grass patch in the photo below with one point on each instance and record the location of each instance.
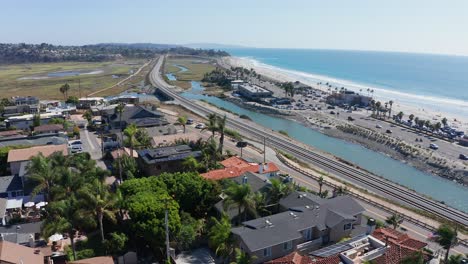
(196, 69)
(14, 78)
(284, 133)
(232, 133)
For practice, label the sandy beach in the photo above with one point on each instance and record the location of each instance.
(430, 113)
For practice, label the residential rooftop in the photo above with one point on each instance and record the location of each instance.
(28, 153)
(236, 166)
(163, 154)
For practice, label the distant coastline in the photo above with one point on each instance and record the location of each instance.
(418, 102)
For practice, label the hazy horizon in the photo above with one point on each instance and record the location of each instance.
(395, 26)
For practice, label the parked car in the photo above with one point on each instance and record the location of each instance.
(200, 126)
(463, 157)
(350, 118)
(76, 149)
(75, 143)
(378, 126)
(388, 131)
(433, 146)
(332, 112)
(189, 121)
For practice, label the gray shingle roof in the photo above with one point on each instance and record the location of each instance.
(305, 212)
(180, 152)
(3, 204)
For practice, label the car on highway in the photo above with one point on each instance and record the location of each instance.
(388, 131)
(378, 126)
(200, 126)
(433, 146)
(463, 157)
(332, 112)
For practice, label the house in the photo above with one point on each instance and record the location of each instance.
(3, 207)
(12, 253)
(27, 100)
(11, 134)
(383, 246)
(24, 234)
(36, 140)
(236, 166)
(49, 128)
(87, 102)
(124, 98)
(301, 228)
(117, 153)
(134, 114)
(11, 187)
(164, 159)
(25, 122)
(18, 158)
(253, 92)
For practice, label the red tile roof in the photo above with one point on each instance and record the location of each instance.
(95, 260)
(400, 247)
(236, 166)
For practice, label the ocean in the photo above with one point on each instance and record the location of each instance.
(436, 82)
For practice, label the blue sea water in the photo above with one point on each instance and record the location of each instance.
(437, 82)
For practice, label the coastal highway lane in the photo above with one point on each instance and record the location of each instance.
(365, 180)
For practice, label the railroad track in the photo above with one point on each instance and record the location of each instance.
(371, 181)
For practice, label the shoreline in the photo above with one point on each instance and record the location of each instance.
(425, 111)
(422, 161)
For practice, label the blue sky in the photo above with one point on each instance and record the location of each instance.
(428, 26)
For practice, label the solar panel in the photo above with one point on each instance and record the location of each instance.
(336, 248)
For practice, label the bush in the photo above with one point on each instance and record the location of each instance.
(232, 133)
(245, 117)
(284, 133)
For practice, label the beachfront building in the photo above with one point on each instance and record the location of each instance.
(253, 92)
(235, 84)
(349, 98)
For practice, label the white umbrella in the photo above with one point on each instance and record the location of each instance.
(55, 237)
(41, 204)
(29, 204)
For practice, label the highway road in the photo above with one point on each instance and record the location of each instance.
(356, 176)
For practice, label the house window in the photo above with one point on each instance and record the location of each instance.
(287, 246)
(347, 226)
(267, 252)
(308, 234)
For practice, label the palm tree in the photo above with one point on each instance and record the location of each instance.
(455, 259)
(400, 115)
(183, 121)
(243, 258)
(99, 201)
(394, 220)
(390, 111)
(260, 201)
(340, 191)
(444, 121)
(219, 236)
(119, 109)
(378, 104)
(320, 183)
(221, 127)
(446, 236)
(240, 196)
(64, 90)
(212, 123)
(65, 216)
(41, 175)
(130, 132)
(277, 191)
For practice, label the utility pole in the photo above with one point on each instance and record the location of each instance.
(166, 222)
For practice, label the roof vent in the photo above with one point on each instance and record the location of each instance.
(293, 215)
(268, 223)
